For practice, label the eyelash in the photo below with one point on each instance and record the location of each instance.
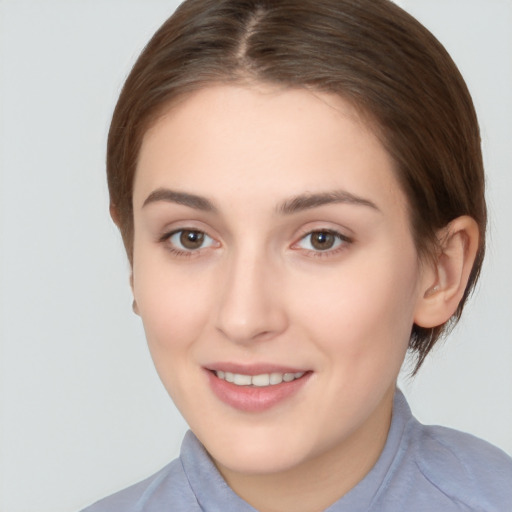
(342, 240)
(166, 239)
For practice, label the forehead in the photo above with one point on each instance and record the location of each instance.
(263, 142)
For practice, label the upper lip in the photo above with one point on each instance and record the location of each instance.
(252, 369)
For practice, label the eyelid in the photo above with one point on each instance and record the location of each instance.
(342, 242)
(184, 251)
(164, 231)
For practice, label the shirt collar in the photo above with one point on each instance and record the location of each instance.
(213, 493)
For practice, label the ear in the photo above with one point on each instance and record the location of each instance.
(445, 281)
(114, 214)
(135, 306)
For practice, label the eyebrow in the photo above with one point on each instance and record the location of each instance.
(184, 198)
(308, 201)
(293, 205)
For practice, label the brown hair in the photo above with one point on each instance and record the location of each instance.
(370, 52)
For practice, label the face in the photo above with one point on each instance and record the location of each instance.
(273, 249)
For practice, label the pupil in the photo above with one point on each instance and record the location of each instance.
(191, 239)
(322, 240)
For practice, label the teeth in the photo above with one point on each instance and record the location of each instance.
(276, 378)
(242, 380)
(263, 380)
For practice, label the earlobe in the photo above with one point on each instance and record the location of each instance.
(114, 214)
(444, 285)
(135, 306)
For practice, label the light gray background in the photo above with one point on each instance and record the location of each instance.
(82, 411)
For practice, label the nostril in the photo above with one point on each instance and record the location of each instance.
(249, 309)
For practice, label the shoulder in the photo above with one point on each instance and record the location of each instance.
(468, 470)
(169, 486)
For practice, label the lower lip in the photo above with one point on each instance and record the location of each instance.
(253, 398)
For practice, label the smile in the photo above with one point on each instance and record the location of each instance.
(262, 380)
(255, 388)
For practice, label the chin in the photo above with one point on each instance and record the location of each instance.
(257, 462)
(257, 451)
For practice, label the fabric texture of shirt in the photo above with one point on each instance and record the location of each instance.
(421, 469)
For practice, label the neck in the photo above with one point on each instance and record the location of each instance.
(319, 482)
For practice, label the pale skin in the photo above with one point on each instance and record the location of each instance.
(301, 255)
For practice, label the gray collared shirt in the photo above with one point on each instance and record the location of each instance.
(421, 469)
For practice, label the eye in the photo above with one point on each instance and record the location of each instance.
(187, 240)
(322, 240)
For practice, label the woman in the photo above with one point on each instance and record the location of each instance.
(300, 190)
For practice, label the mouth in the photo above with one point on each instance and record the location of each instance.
(255, 388)
(262, 380)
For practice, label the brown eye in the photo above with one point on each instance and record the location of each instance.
(188, 240)
(322, 240)
(191, 239)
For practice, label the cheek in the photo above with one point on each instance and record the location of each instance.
(363, 311)
(173, 304)
(174, 311)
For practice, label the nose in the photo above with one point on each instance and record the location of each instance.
(251, 305)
